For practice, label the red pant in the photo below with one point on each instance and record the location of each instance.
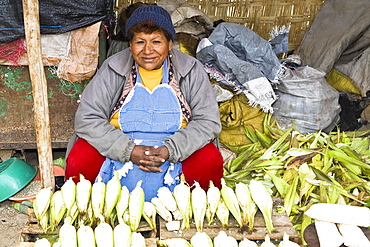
(202, 166)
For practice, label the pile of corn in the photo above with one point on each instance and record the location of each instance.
(304, 169)
(88, 213)
(108, 214)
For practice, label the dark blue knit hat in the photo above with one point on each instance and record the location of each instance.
(155, 13)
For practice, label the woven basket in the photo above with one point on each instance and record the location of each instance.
(261, 16)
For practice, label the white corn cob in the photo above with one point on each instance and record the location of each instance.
(328, 233)
(166, 197)
(69, 194)
(42, 242)
(247, 205)
(85, 236)
(174, 242)
(57, 209)
(161, 209)
(222, 240)
(122, 235)
(122, 203)
(42, 202)
(247, 243)
(113, 191)
(201, 239)
(219, 240)
(182, 196)
(199, 206)
(229, 197)
(223, 213)
(263, 200)
(231, 242)
(213, 199)
(97, 197)
(103, 234)
(340, 213)
(287, 243)
(68, 234)
(267, 242)
(353, 236)
(83, 194)
(137, 240)
(136, 205)
(149, 213)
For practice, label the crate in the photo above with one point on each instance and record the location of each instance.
(261, 16)
(32, 230)
(280, 221)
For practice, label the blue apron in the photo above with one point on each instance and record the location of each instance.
(148, 117)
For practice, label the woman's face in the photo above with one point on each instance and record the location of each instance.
(150, 50)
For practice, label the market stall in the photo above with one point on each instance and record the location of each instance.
(283, 123)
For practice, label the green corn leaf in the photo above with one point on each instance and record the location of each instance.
(269, 152)
(291, 198)
(281, 186)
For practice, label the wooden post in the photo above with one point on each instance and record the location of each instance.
(39, 91)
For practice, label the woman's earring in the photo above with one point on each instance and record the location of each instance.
(170, 53)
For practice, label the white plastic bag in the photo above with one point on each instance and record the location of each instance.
(306, 99)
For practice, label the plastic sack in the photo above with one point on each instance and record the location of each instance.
(306, 100)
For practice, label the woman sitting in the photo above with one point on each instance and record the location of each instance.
(149, 113)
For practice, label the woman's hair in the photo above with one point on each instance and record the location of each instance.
(148, 27)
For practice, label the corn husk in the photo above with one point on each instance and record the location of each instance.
(267, 242)
(85, 236)
(201, 239)
(286, 242)
(122, 235)
(182, 196)
(137, 240)
(112, 194)
(68, 234)
(166, 197)
(136, 205)
(247, 243)
(104, 234)
(162, 211)
(213, 199)
(222, 240)
(247, 205)
(231, 201)
(199, 206)
(149, 214)
(263, 200)
(69, 194)
(83, 194)
(98, 197)
(42, 202)
(122, 204)
(223, 213)
(57, 209)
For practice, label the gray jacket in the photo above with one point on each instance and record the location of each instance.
(101, 94)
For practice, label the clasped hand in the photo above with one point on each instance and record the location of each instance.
(149, 158)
